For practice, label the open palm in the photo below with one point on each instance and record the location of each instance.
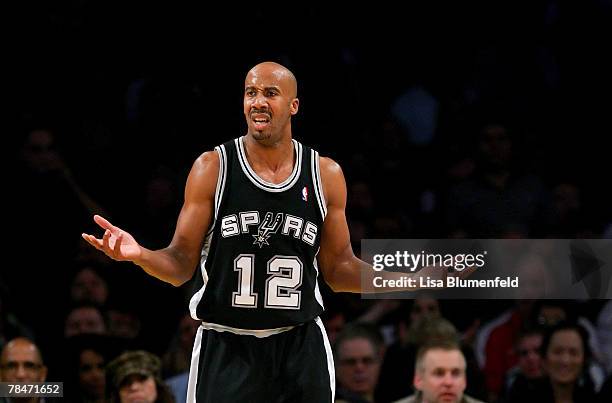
(115, 243)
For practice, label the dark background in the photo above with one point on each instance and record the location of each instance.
(137, 91)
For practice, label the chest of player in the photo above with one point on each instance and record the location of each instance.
(264, 218)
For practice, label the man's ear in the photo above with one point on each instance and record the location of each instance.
(294, 106)
(417, 381)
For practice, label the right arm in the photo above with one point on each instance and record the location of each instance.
(176, 263)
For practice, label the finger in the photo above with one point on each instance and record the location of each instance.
(467, 272)
(117, 248)
(103, 222)
(105, 240)
(92, 240)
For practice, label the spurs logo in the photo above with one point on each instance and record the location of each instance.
(244, 222)
(267, 228)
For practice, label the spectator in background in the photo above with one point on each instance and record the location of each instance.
(528, 351)
(604, 334)
(48, 176)
(570, 217)
(500, 350)
(565, 354)
(89, 286)
(439, 375)
(91, 376)
(123, 323)
(51, 197)
(500, 200)
(85, 380)
(358, 353)
(495, 344)
(135, 377)
(84, 319)
(426, 327)
(528, 371)
(177, 358)
(157, 219)
(21, 361)
(334, 321)
(394, 370)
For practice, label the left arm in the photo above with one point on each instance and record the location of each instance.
(341, 269)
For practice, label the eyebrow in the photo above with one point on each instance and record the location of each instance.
(448, 368)
(252, 87)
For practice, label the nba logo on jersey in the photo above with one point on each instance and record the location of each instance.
(305, 194)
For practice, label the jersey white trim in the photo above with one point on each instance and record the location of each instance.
(317, 292)
(221, 178)
(192, 382)
(260, 333)
(317, 184)
(197, 297)
(260, 183)
(330, 358)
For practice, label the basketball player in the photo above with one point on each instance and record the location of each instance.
(262, 213)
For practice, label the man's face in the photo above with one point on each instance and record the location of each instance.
(442, 376)
(84, 320)
(358, 366)
(424, 307)
(21, 362)
(88, 286)
(529, 359)
(269, 102)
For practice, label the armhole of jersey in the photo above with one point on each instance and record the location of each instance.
(220, 179)
(318, 185)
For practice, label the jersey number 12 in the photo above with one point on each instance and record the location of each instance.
(285, 276)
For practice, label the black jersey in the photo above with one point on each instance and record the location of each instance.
(258, 265)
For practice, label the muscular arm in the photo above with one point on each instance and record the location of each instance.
(176, 263)
(341, 268)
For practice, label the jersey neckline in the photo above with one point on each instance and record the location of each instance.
(265, 185)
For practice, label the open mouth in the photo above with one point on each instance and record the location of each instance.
(260, 120)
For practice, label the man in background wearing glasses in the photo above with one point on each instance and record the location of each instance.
(20, 361)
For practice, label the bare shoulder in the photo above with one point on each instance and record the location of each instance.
(330, 169)
(332, 178)
(208, 160)
(202, 179)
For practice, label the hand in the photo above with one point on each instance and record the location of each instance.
(465, 273)
(432, 273)
(115, 243)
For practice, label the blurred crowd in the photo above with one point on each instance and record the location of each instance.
(469, 137)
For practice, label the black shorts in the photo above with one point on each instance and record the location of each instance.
(292, 366)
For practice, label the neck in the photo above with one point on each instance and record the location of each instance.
(369, 396)
(272, 156)
(563, 392)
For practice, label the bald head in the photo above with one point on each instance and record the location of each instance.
(21, 361)
(23, 344)
(270, 100)
(283, 75)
